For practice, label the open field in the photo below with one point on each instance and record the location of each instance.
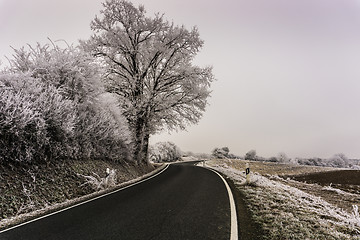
(310, 208)
(270, 168)
(346, 180)
(324, 182)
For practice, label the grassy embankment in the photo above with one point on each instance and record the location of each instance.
(30, 191)
(288, 209)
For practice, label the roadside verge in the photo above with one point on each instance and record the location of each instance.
(26, 218)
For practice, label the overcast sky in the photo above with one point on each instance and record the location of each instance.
(288, 72)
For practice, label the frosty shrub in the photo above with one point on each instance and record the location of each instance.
(103, 133)
(164, 152)
(311, 161)
(36, 121)
(221, 152)
(339, 160)
(251, 155)
(60, 89)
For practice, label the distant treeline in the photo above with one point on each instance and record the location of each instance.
(337, 161)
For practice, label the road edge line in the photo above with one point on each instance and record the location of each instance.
(233, 224)
(87, 201)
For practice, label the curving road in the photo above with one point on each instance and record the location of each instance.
(183, 202)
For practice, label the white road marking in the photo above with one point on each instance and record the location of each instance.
(233, 225)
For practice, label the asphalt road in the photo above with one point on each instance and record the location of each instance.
(183, 202)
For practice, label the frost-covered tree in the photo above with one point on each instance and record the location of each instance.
(164, 152)
(251, 155)
(221, 152)
(283, 158)
(339, 160)
(148, 63)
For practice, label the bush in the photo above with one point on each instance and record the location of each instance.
(221, 153)
(338, 160)
(164, 152)
(36, 121)
(251, 155)
(53, 105)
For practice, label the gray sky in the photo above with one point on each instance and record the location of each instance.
(288, 72)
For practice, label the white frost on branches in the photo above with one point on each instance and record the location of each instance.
(164, 152)
(53, 106)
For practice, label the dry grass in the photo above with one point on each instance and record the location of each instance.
(288, 209)
(270, 168)
(342, 199)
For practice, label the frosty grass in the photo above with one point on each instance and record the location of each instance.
(286, 212)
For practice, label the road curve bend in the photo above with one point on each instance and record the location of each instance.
(183, 202)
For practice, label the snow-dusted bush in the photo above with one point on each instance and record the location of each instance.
(338, 160)
(221, 153)
(311, 161)
(80, 120)
(36, 121)
(224, 152)
(282, 158)
(164, 152)
(251, 155)
(103, 132)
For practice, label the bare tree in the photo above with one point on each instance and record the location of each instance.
(149, 66)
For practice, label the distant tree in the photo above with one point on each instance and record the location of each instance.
(311, 161)
(251, 155)
(148, 64)
(283, 158)
(164, 152)
(339, 160)
(188, 154)
(221, 153)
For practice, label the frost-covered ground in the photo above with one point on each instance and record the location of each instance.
(286, 212)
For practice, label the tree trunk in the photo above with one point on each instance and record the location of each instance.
(141, 142)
